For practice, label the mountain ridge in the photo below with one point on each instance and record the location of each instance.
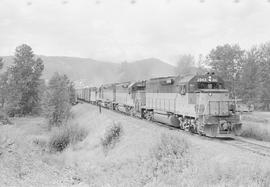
(88, 71)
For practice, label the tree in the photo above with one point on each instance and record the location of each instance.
(24, 81)
(1, 63)
(72, 93)
(57, 100)
(185, 65)
(201, 69)
(264, 76)
(227, 62)
(250, 76)
(4, 91)
(2, 84)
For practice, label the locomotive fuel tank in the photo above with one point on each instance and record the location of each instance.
(167, 119)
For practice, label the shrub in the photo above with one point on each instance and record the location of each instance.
(170, 156)
(112, 136)
(66, 135)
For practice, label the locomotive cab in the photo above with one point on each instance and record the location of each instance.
(214, 109)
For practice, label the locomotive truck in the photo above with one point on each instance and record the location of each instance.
(196, 103)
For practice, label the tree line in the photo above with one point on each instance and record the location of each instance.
(246, 72)
(24, 92)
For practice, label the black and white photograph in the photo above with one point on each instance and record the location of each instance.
(134, 93)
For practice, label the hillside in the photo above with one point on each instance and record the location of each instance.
(87, 71)
(144, 155)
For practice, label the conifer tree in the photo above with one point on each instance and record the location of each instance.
(24, 80)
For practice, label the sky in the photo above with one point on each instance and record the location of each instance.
(129, 30)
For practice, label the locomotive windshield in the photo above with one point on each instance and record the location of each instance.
(205, 82)
(210, 85)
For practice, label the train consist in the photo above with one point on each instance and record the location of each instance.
(196, 103)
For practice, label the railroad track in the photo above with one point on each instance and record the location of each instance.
(250, 146)
(234, 141)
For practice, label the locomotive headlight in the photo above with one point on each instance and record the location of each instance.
(210, 94)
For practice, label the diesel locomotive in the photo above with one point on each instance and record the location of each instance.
(196, 103)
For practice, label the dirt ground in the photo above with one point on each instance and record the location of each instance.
(24, 160)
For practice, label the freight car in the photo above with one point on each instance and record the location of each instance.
(196, 103)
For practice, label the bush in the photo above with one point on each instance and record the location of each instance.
(112, 136)
(170, 156)
(66, 135)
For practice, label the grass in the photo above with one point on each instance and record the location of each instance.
(229, 173)
(66, 135)
(255, 119)
(169, 155)
(167, 160)
(256, 126)
(174, 162)
(256, 131)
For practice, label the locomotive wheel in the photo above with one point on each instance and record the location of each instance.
(148, 115)
(132, 111)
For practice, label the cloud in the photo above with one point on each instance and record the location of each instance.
(123, 30)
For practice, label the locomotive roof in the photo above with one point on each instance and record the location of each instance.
(200, 78)
(185, 79)
(159, 78)
(123, 83)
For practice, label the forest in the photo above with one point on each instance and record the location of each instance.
(246, 72)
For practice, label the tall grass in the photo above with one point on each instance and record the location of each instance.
(255, 126)
(173, 161)
(256, 131)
